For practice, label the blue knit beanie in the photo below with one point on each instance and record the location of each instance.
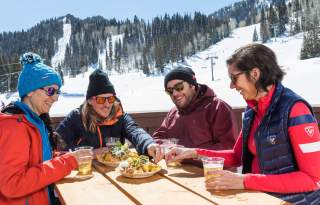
(35, 74)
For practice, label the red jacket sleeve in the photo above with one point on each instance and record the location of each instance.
(305, 139)
(232, 157)
(18, 176)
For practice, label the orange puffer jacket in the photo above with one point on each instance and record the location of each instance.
(24, 177)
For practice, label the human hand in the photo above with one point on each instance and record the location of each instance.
(99, 151)
(227, 180)
(155, 151)
(179, 153)
(80, 153)
(76, 156)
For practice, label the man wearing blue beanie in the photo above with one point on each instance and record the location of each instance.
(199, 119)
(27, 165)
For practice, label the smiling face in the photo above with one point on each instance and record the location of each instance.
(183, 97)
(243, 82)
(39, 100)
(103, 109)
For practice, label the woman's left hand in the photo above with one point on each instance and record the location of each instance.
(226, 180)
(155, 151)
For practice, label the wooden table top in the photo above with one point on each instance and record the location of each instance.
(183, 185)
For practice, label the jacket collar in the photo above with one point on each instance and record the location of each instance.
(273, 102)
(115, 118)
(263, 103)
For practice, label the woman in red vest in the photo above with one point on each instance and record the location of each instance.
(279, 145)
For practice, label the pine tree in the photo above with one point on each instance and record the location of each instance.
(136, 64)
(311, 44)
(296, 6)
(110, 48)
(255, 35)
(315, 37)
(306, 48)
(59, 69)
(273, 22)
(264, 31)
(216, 36)
(108, 61)
(297, 27)
(283, 16)
(145, 65)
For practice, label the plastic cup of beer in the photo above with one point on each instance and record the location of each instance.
(111, 141)
(84, 160)
(84, 150)
(212, 164)
(85, 165)
(170, 143)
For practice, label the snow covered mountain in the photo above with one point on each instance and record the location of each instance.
(140, 93)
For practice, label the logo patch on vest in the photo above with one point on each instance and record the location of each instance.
(272, 139)
(309, 130)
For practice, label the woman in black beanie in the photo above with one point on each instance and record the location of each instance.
(101, 116)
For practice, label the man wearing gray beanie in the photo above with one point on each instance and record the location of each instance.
(199, 119)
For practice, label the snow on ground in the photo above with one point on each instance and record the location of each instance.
(140, 93)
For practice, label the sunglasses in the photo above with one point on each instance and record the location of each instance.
(234, 77)
(101, 100)
(51, 91)
(177, 87)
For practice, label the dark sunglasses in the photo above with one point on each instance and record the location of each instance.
(51, 91)
(234, 77)
(102, 100)
(177, 87)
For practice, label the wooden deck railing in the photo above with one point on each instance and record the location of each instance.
(150, 121)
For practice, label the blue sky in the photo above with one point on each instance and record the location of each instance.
(21, 14)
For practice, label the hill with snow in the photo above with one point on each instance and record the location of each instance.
(140, 93)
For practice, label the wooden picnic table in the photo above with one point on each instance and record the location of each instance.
(182, 185)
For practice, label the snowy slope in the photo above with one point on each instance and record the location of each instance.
(140, 93)
(62, 45)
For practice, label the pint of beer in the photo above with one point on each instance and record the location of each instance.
(212, 164)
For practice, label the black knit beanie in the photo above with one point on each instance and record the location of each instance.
(181, 73)
(99, 83)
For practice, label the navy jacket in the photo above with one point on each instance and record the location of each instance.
(273, 143)
(73, 133)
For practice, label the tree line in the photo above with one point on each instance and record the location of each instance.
(298, 16)
(127, 45)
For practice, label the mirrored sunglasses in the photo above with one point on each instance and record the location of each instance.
(51, 91)
(102, 100)
(177, 87)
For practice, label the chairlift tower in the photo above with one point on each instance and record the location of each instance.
(212, 56)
